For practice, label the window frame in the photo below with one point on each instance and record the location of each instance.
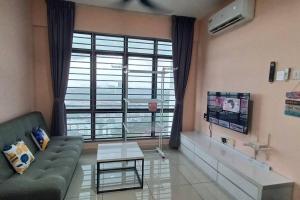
(93, 110)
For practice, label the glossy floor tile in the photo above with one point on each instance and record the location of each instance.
(173, 178)
(144, 194)
(168, 191)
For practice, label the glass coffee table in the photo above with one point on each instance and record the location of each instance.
(120, 166)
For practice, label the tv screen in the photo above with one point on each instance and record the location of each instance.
(229, 110)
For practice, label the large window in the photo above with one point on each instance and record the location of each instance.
(96, 88)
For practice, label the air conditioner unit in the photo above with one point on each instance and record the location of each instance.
(235, 14)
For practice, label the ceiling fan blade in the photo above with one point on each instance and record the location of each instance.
(122, 3)
(154, 6)
(149, 4)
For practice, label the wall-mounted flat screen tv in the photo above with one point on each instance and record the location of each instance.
(229, 110)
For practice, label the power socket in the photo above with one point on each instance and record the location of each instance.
(296, 75)
(228, 141)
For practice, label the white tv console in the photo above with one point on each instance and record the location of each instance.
(237, 174)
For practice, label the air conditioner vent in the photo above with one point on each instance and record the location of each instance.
(228, 23)
(236, 13)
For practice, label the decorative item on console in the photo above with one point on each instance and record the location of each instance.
(258, 147)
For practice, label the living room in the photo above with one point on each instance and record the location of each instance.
(96, 77)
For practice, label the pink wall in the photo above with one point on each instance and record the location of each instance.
(16, 72)
(239, 61)
(101, 20)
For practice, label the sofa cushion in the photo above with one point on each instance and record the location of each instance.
(19, 156)
(40, 138)
(50, 174)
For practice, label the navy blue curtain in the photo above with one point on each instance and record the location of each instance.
(182, 39)
(61, 15)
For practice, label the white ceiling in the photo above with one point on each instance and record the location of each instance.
(192, 8)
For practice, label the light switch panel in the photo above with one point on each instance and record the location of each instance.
(296, 75)
(283, 75)
(287, 73)
(280, 75)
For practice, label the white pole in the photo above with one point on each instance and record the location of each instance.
(126, 102)
(161, 126)
(162, 106)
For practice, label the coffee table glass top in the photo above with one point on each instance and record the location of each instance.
(119, 152)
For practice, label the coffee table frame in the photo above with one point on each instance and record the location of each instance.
(134, 168)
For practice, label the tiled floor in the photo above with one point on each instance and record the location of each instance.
(174, 178)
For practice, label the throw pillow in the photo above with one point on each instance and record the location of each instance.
(40, 138)
(19, 156)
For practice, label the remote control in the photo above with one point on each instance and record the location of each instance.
(272, 71)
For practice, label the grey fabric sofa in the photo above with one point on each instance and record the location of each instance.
(49, 176)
